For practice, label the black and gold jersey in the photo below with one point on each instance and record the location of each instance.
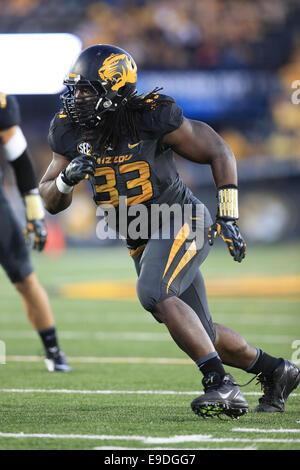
(142, 171)
(9, 111)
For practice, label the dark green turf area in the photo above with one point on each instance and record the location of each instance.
(111, 329)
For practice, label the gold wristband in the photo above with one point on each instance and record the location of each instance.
(34, 207)
(228, 203)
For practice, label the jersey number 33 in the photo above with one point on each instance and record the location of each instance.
(137, 180)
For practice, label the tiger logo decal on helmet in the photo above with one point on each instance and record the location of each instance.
(119, 69)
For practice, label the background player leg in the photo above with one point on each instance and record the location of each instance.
(39, 313)
(36, 302)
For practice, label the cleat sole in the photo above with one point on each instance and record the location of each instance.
(210, 410)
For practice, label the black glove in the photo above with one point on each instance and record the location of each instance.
(78, 169)
(229, 231)
(36, 234)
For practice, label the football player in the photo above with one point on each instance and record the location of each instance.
(124, 143)
(14, 246)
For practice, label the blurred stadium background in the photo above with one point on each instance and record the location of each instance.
(230, 63)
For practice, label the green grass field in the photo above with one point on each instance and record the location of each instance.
(130, 386)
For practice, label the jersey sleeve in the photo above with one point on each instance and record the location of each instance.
(61, 136)
(9, 112)
(166, 116)
(169, 118)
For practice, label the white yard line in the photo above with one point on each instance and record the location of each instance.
(101, 437)
(142, 317)
(105, 437)
(99, 392)
(256, 319)
(109, 360)
(87, 335)
(116, 392)
(259, 430)
(74, 318)
(131, 336)
(147, 439)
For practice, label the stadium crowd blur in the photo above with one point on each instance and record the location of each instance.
(193, 35)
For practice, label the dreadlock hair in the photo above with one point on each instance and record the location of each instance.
(124, 121)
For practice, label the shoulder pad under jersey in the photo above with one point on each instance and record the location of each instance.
(165, 116)
(63, 136)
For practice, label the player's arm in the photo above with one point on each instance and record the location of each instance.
(198, 142)
(55, 200)
(57, 184)
(15, 150)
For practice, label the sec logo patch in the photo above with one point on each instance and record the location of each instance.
(84, 148)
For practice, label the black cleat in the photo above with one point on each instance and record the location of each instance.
(277, 387)
(56, 362)
(221, 396)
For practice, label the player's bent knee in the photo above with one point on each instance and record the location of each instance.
(149, 295)
(164, 307)
(146, 296)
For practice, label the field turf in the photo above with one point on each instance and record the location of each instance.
(130, 386)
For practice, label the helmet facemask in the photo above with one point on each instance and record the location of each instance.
(84, 102)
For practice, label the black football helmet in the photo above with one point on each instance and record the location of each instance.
(102, 79)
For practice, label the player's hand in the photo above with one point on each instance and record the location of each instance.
(78, 169)
(229, 231)
(36, 234)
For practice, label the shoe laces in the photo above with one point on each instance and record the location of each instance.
(213, 381)
(267, 386)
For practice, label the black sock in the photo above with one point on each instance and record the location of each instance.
(211, 363)
(49, 339)
(264, 363)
